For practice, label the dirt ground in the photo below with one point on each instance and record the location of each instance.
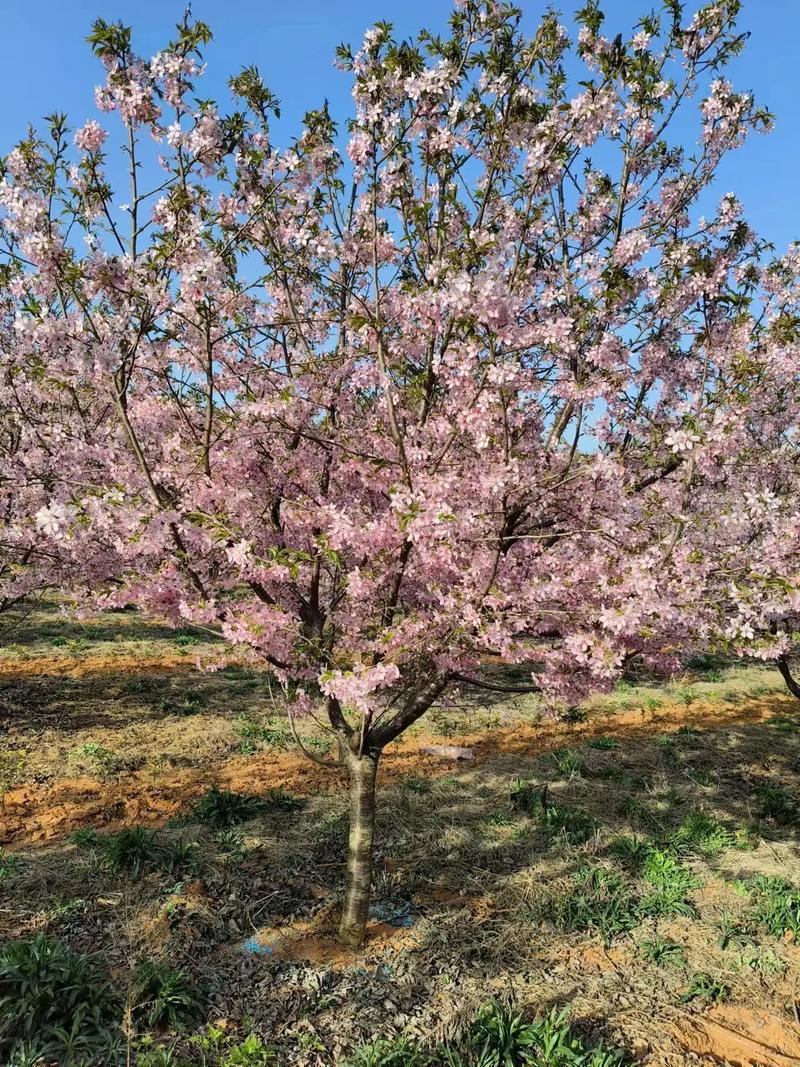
(112, 723)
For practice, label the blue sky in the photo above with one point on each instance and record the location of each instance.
(45, 66)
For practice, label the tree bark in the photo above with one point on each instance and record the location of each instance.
(363, 771)
(791, 684)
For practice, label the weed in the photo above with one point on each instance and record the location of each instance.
(56, 1001)
(745, 839)
(87, 837)
(568, 762)
(159, 1057)
(663, 952)
(777, 905)
(732, 933)
(106, 760)
(603, 743)
(416, 785)
(252, 1052)
(635, 811)
(570, 825)
(777, 804)
(278, 799)
(131, 850)
(231, 843)
(574, 715)
(705, 986)
(181, 856)
(500, 1038)
(630, 850)
(321, 745)
(186, 639)
(573, 826)
(764, 962)
(671, 883)
(524, 796)
(9, 865)
(702, 834)
(783, 725)
(221, 807)
(187, 706)
(164, 996)
(256, 732)
(394, 1052)
(598, 900)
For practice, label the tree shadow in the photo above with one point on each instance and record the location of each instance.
(457, 859)
(43, 623)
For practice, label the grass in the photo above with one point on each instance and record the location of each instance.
(498, 1037)
(704, 986)
(663, 952)
(55, 1004)
(609, 837)
(163, 996)
(776, 906)
(777, 804)
(223, 807)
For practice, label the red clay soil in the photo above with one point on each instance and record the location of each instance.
(740, 1037)
(39, 813)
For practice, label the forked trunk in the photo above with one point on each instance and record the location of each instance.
(353, 926)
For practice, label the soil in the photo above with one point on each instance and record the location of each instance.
(95, 735)
(33, 813)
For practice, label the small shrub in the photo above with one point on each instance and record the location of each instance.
(222, 808)
(163, 996)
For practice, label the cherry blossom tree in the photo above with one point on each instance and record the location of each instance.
(461, 384)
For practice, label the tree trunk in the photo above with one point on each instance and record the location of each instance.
(791, 683)
(363, 771)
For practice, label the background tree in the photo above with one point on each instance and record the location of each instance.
(466, 391)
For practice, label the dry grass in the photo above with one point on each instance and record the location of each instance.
(467, 882)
